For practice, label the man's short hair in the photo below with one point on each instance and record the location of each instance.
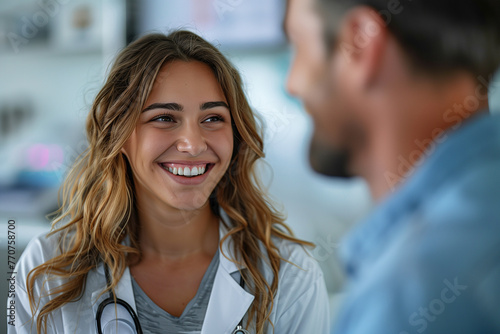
(438, 36)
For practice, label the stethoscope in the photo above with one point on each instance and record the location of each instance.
(120, 323)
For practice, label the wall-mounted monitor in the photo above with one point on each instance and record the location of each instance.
(230, 24)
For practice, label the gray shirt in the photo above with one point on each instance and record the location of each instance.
(155, 320)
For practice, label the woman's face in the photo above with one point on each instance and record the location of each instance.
(183, 141)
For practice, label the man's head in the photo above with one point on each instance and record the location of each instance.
(369, 70)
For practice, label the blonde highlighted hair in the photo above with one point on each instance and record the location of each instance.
(97, 208)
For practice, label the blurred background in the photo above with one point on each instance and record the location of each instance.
(54, 55)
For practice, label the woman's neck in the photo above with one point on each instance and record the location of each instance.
(173, 234)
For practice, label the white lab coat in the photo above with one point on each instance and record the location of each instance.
(301, 302)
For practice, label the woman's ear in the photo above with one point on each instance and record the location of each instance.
(125, 148)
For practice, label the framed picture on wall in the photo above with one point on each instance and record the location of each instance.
(78, 27)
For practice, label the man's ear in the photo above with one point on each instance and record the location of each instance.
(361, 43)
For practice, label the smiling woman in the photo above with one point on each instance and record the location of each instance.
(163, 216)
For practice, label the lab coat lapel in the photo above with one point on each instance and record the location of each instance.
(228, 301)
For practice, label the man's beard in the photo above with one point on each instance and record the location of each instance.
(329, 161)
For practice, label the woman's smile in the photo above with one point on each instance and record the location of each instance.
(193, 173)
(186, 169)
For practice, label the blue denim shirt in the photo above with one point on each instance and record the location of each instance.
(428, 258)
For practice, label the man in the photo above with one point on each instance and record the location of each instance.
(398, 92)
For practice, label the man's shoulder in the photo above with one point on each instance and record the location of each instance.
(455, 225)
(469, 199)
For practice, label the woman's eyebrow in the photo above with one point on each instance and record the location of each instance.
(215, 104)
(169, 106)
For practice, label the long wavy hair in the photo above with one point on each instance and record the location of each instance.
(97, 209)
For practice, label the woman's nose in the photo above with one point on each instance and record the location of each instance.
(191, 140)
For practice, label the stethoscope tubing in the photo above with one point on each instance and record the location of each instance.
(111, 300)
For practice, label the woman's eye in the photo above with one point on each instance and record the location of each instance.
(213, 119)
(163, 118)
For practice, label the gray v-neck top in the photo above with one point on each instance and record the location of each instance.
(155, 320)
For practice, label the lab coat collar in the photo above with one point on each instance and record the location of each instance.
(228, 303)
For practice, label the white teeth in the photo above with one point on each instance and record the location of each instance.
(186, 171)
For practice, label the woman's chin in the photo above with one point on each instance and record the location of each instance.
(190, 205)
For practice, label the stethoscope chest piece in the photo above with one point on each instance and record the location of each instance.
(240, 330)
(116, 318)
